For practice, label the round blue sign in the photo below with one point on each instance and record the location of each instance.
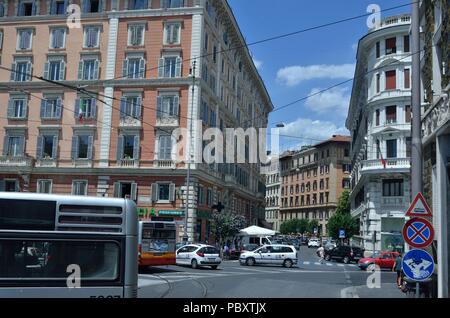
(418, 265)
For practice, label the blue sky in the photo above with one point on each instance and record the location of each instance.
(297, 66)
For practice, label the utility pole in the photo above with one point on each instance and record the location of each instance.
(188, 175)
(416, 128)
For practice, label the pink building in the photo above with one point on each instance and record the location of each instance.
(117, 86)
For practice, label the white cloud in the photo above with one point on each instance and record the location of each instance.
(309, 131)
(293, 75)
(335, 101)
(258, 63)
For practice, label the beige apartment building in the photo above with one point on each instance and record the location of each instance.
(114, 90)
(313, 179)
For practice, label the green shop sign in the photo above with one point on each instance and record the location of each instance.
(171, 213)
(145, 213)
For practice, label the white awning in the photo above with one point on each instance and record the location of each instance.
(257, 231)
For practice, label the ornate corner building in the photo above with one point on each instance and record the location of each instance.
(115, 88)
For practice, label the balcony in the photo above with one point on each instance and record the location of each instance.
(394, 204)
(390, 21)
(130, 122)
(46, 162)
(376, 166)
(165, 164)
(391, 93)
(128, 163)
(169, 122)
(23, 161)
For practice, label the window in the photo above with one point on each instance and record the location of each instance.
(168, 106)
(406, 44)
(393, 188)
(134, 67)
(377, 50)
(44, 186)
(85, 108)
(136, 35)
(92, 6)
(169, 66)
(131, 106)
(57, 38)
(47, 147)
(346, 183)
(13, 146)
(11, 186)
(51, 108)
(125, 190)
(391, 46)
(137, 4)
(17, 108)
(172, 33)
(407, 113)
(165, 147)
(391, 114)
(165, 4)
(346, 168)
(91, 37)
(1, 36)
(205, 45)
(2, 11)
(26, 8)
(79, 187)
(408, 145)
(377, 117)
(346, 152)
(128, 147)
(378, 83)
(391, 80)
(55, 70)
(24, 39)
(58, 7)
(82, 147)
(88, 69)
(391, 148)
(407, 78)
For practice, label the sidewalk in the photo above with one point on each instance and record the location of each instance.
(389, 290)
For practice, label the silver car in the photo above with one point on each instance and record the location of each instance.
(276, 254)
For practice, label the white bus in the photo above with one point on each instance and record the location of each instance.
(67, 246)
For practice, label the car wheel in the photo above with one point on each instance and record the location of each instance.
(327, 258)
(371, 267)
(194, 264)
(250, 261)
(287, 263)
(214, 267)
(346, 260)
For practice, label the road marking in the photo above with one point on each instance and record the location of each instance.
(340, 265)
(329, 264)
(306, 263)
(317, 263)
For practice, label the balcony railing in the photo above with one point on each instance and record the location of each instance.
(165, 164)
(128, 163)
(401, 19)
(22, 161)
(376, 164)
(129, 121)
(169, 121)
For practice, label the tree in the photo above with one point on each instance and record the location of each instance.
(225, 225)
(298, 226)
(302, 226)
(342, 220)
(313, 224)
(288, 227)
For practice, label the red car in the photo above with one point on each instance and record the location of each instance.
(385, 260)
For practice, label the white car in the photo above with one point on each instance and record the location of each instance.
(313, 243)
(275, 254)
(198, 255)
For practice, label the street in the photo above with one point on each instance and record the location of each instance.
(231, 280)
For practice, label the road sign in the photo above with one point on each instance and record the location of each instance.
(419, 207)
(418, 233)
(341, 234)
(418, 265)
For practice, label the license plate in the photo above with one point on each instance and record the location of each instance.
(211, 259)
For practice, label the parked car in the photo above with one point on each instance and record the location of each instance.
(198, 255)
(249, 248)
(345, 254)
(385, 260)
(314, 242)
(329, 245)
(295, 243)
(271, 255)
(304, 241)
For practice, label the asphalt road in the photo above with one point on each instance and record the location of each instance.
(310, 279)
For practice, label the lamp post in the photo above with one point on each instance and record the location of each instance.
(188, 174)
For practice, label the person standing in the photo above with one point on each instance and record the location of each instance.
(321, 253)
(398, 268)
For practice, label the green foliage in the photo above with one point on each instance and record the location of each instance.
(342, 220)
(343, 205)
(298, 226)
(225, 225)
(313, 224)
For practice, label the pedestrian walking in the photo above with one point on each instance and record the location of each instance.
(321, 254)
(226, 250)
(398, 268)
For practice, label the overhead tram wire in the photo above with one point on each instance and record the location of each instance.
(273, 38)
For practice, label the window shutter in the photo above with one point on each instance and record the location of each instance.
(55, 147)
(159, 110)
(123, 107)
(175, 31)
(172, 192)
(58, 110)
(138, 108)
(29, 71)
(141, 69)
(139, 35)
(120, 142)
(125, 68)
(5, 145)
(77, 108)
(133, 191)
(11, 108)
(93, 108)
(74, 153)
(161, 67)
(43, 108)
(33, 8)
(90, 146)
(46, 70)
(13, 72)
(117, 189)
(80, 70)
(21, 146)
(155, 191)
(176, 105)
(96, 69)
(136, 148)
(62, 70)
(178, 66)
(39, 146)
(66, 5)
(24, 109)
(100, 6)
